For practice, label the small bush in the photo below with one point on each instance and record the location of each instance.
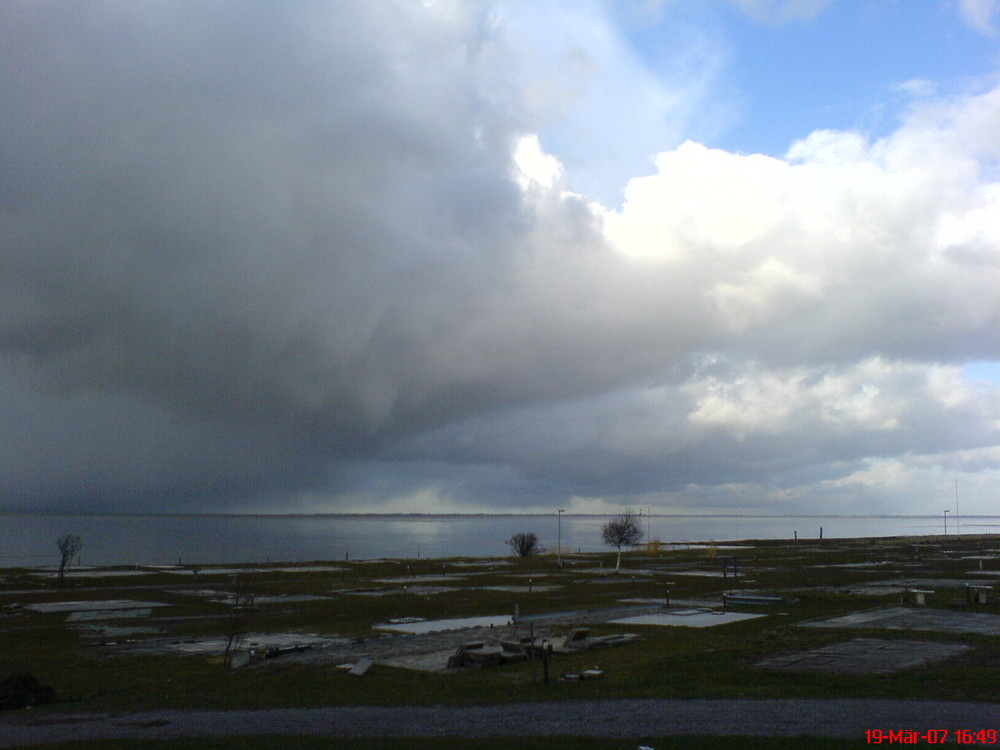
(23, 689)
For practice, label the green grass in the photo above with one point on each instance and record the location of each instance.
(714, 662)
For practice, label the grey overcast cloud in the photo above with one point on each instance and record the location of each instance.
(473, 256)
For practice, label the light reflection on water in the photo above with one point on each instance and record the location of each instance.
(29, 540)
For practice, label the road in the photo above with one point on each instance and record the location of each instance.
(847, 718)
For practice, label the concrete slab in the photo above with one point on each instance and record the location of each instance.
(90, 606)
(93, 615)
(217, 644)
(208, 570)
(224, 597)
(202, 593)
(190, 569)
(927, 583)
(624, 573)
(408, 590)
(865, 656)
(286, 598)
(362, 666)
(92, 573)
(431, 661)
(117, 631)
(898, 586)
(905, 618)
(434, 626)
(687, 618)
(872, 590)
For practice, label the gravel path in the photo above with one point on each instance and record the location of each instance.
(612, 718)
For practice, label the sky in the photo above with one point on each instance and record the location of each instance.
(702, 256)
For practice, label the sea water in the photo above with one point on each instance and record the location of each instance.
(29, 540)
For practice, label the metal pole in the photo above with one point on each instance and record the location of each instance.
(946, 522)
(958, 516)
(559, 537)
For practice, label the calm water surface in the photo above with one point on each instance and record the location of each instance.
(28, 540)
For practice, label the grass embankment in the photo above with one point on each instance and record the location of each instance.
(716, 662)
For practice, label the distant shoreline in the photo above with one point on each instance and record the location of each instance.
(143, 538)
(567, 554)
(110, 514)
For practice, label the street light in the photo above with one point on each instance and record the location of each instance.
(559, 537)
(946, 522)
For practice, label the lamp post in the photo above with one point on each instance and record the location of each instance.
(559, 537)
(946, 522)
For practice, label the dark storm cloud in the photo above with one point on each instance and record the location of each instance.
(300, 255)
(300, 223)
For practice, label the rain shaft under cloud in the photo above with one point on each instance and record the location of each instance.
(314, 257)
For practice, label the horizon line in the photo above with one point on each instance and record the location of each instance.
(398, 514)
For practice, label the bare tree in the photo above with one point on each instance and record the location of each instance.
(524, 544)
(237, 619)
(623, 531)
(69, 547)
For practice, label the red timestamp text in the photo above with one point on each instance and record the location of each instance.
(931, 736)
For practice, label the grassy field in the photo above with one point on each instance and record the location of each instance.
(717, 662)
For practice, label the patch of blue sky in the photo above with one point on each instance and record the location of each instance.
(840, 69)
(982, 372)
